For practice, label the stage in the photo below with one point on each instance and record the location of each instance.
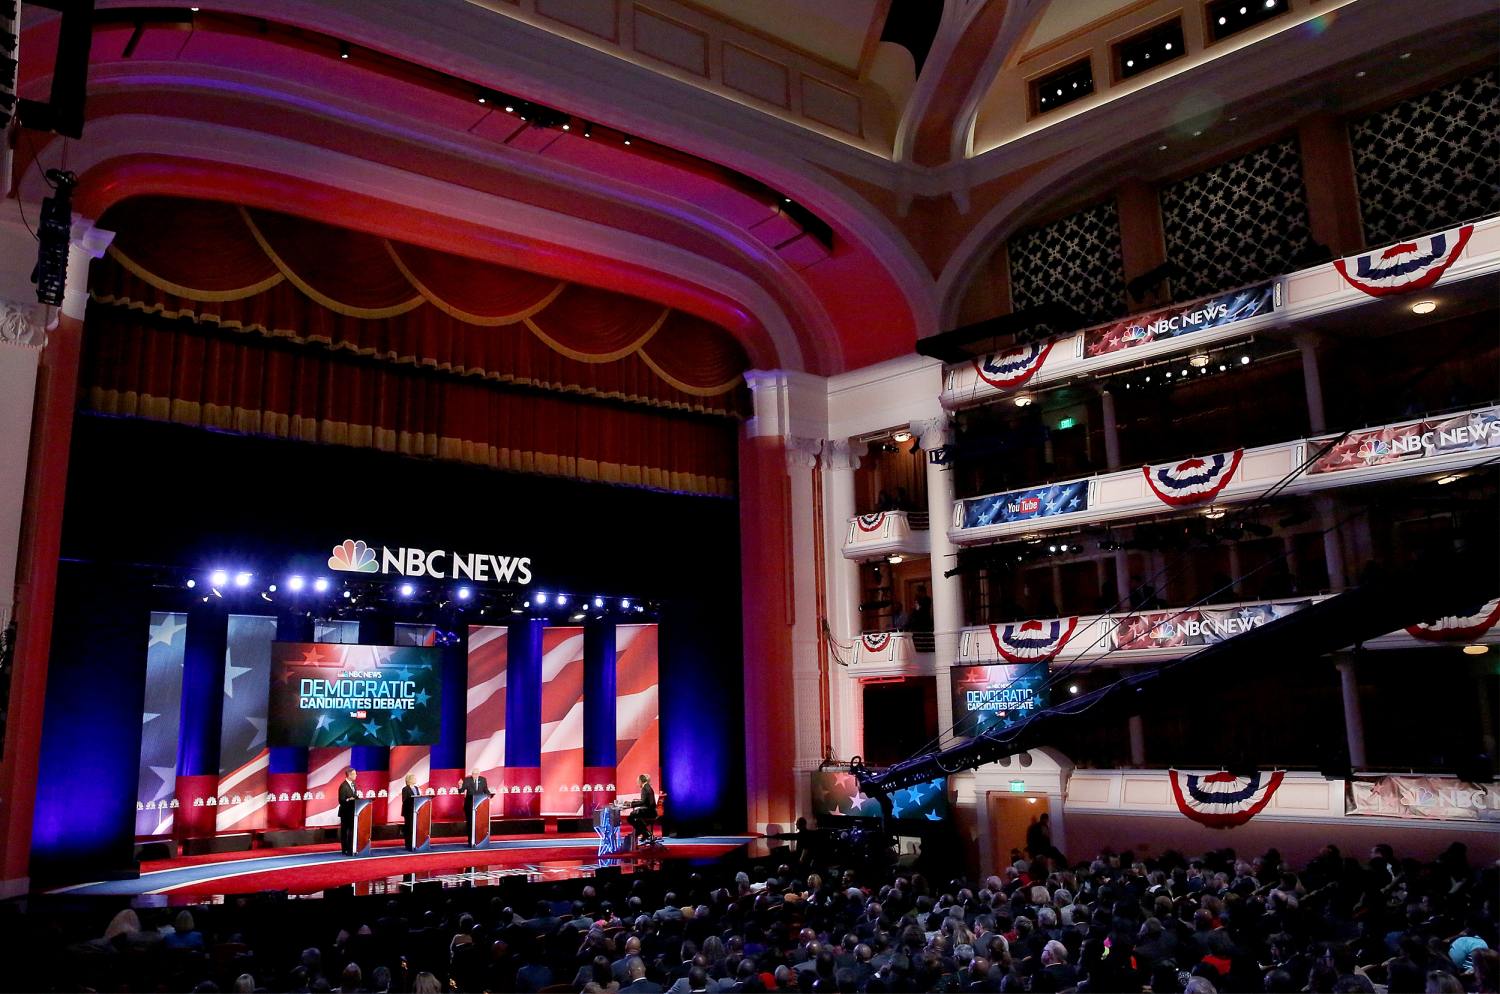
(388, 868)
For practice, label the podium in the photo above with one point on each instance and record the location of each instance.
(418, 828)
(357, 842)
(477, 810)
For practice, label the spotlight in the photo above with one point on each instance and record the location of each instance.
(1168, 46)
(627, 141)
(598, 601)
(588, 130)
(1072, 688)
(463, 593)
(348, 595)
(1198, 361)
(321, 584)
(510, 108)
(1183, 373)
(218, 578)
(295, 583)
(344, 50)
(1051, 548)
(1476, 650)
(541, 597)
(578, 617)
(191, 583)
(1169, 374)
(242, 579)
(1443, 481)
(482, 98)
(407, 590)
(1222, 367)
(625, 604)
(271, 588)
(567, 127)
(901, 437)
(1024, 399)
(639, 608)
(1161, 148)
(562, 600)
(1244, 360)
(1424, 307)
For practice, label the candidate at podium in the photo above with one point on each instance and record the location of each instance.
(474, 788)
(348, 802)
(409, 794)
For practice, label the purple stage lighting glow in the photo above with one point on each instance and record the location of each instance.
(321, 584)
(598, 601)
(407, 590)
(625, 604)
(463, 593)
(295, 583)
(541, 597)
(562, 600)
(242, 579)
(218, 578)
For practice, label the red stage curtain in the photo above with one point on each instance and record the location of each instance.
(275, 276)
(172, 371)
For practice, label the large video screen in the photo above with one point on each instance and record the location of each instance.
(353, 695)
(995, 696)
(837, 793)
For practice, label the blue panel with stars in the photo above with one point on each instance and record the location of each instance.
(1025, 505)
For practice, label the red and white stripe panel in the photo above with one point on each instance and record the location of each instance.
(562, 721)
(485, 748)
(637, 712)
(325, 768)
(242, 796)
(404, 760)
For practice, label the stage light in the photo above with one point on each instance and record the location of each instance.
(588, 130)
(481, 98)
(510, 108)
(344, 50)
(321, 585)
(348, 595)
(639, 608)
(1051, 548)
(1424, 307)
(191, 583)
(218, 578)
(463, 593)
(295, 583)
(579, 616)
(1072, 688)
(598, 601)
(1443, 481)
(1244, 360)
(407, 590)
(541, 597)
(625, 604)
(242, 579)
(1476, 650)
(1183, 373)
(567, 127)
(1198, 361)
(1169, 374)
(1222, 367)
(272, 588)
(562, 600)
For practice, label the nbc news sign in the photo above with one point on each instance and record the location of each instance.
(354, 556)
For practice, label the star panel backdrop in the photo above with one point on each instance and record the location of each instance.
(157, 784)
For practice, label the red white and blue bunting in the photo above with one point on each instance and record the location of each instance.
(875, 641)
(1465, 629)
(870, 522)
(1413, 265)
(1223, 800)
(1032, 641)
(1012, 368)
(1192, 481)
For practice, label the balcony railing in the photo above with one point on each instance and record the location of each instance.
(879, 654)
(1168, 633)
(871, 536)
(1438, 444)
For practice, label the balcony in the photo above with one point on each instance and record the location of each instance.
(1439, 444)
(885, 533)
(1170, 633)
(1297, 299)
(892, 654)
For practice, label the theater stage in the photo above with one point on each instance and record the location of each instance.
(388, 868)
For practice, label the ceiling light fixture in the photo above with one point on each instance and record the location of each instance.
(1476, 649)
(1424, 307)
(1443, 481)
(893, 559)
(1024, 399)
(901, 436)
(343, 50)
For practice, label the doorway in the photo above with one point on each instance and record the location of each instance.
(1010, 816)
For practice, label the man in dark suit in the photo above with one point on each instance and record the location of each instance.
(644, 811)
(348, 795)
(472, 787)
(635, 971)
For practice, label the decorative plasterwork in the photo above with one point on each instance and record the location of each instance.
(23, 324)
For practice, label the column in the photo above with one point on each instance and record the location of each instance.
(1312, 383)
(1110, 425)
(1137, 730)
(22, 335)
(1354, 725)
(523, 719)
(809, 687)
(1333, 548)
(286, 771)
(599, 756)
(1237, 569)
(1332, 190)
(1142, 245)
(947, 594)
(46, 475)
(201, 719)
(840, 460)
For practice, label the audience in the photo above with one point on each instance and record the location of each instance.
(1169, 925)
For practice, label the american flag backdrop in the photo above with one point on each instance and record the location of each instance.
(562, 721)
(160, 718)
(325, 768)
(637, 713)
(243, 755)
(404, 760)
(485, 747)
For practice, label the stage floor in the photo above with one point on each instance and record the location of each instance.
(388, 868)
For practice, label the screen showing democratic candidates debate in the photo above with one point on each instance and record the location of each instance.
(994, 696)
(347, 695)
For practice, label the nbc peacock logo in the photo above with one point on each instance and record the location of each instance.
(353, 557)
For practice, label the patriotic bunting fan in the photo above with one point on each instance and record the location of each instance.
(876, 641)
(1455, 629)
(1032, 641)
(1192, 481)
(870, 522)
(1413, 265)
(1223, 800)
(1008, 370)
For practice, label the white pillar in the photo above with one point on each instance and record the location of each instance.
(947, 594)
(21, 340)
(1312, 383)
(1122, 578)
(1057, 588)
(1111, 427)
(840, 460)
(807, 686)
(1237, 570)
(1333, 547)
(1354, 724)
(1137, 741)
